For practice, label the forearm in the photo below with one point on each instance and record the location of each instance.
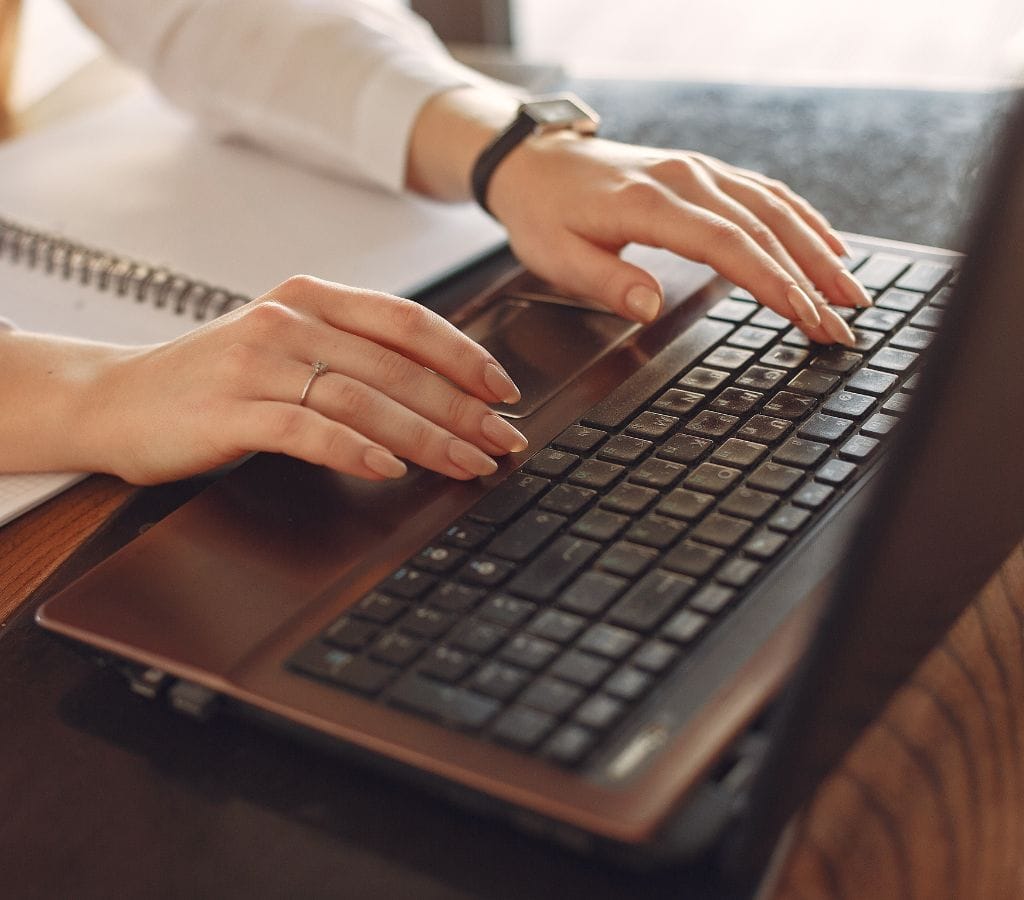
(48, 385)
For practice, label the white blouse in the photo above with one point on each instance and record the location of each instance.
(335, 84)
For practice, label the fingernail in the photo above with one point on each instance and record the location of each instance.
(470, 458)
(836, 328)
(840, 242)
(852, 289)
(803, 307)
(643, 303)
(383, 463)
(500, 432)
(499, 384)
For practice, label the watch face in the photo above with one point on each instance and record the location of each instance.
(561, 112)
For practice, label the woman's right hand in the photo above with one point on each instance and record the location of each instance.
(401, 382)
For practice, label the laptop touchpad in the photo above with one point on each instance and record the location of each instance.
(544, 344)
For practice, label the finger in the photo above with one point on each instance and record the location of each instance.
(292, 429)
(412, 386)
(409, 328)
(583, 268)
(804, 245)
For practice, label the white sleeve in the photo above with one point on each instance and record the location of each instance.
(332, 83)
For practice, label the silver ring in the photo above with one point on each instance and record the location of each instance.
(319, 367)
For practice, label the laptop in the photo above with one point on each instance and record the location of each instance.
(651, 635)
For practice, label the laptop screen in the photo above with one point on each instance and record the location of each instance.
(947, 512)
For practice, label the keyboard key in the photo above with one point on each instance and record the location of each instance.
(879, 425)
(446, 663)
(570, 744)
(552, 695)
(507, 611)
(407, 583)
(899, 300)
(599, 712)
(881, 270)
(466, 535)
(751, 337)
(551, 463)
(767, 318)
(765, 544)
(748, 503)
(732, 310)
(736, 401)
(858, 448)
(711, 478)
(476, 636)
(835, 359)
(871, 381)
(924, 276)
(702, 379)
(910, 338)
(835, 471)
(592, 592)
(789, 519)
(623, 448)
(788, 405)
(684, 448)
(764, 429)
(692, 558)
(427, 622)
(721, 530)
(684, 626)
(529, 652)
(738, 573)
(607, 640)
(351, 634)
(709, 423)
(523, 728)
(929, 317)
(735, 452)
(378, 607)
(813, 495)
(508, 498)
(456, 597)
(728, 357)
(849, 404)
(761, 378)
(499, 681)
(865, 340)
(652, 425)
(678, 402)
(655, 531)
(438, 559)
(594, 473)
(657, 473)
(631, 499)
(628, 683)
(556, 565)
(397, 649)
(799, 452)
(897, 404)
(625, 558)
(655, 656)
(785, 357)
(485, 571)
(526, 535)
(566, 499)
(712, 599)
(773, 477)
(817, 384)
(341, 667)
(650, 600)
(796, 338)
(600, 525)
(893, 360)
(581, 668)
(821, 427)
(942, 297)
(685, 504)
(579, 439)
(555, 625)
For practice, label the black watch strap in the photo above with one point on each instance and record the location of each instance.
(552, 113)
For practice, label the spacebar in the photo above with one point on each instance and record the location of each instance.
(636, 390)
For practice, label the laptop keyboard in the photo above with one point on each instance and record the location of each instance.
(565, 595)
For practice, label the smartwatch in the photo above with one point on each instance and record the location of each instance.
(554, 112)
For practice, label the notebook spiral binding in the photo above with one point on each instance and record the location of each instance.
(54, 255)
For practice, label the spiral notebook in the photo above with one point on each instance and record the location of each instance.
(129, 224)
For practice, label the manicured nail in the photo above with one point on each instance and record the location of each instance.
(470, 458)
(500, 432)
(804, 308)
(852, 289)
(840, 243)
(499, 384)
(643, 303)
(383, 463)
(836, 328)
